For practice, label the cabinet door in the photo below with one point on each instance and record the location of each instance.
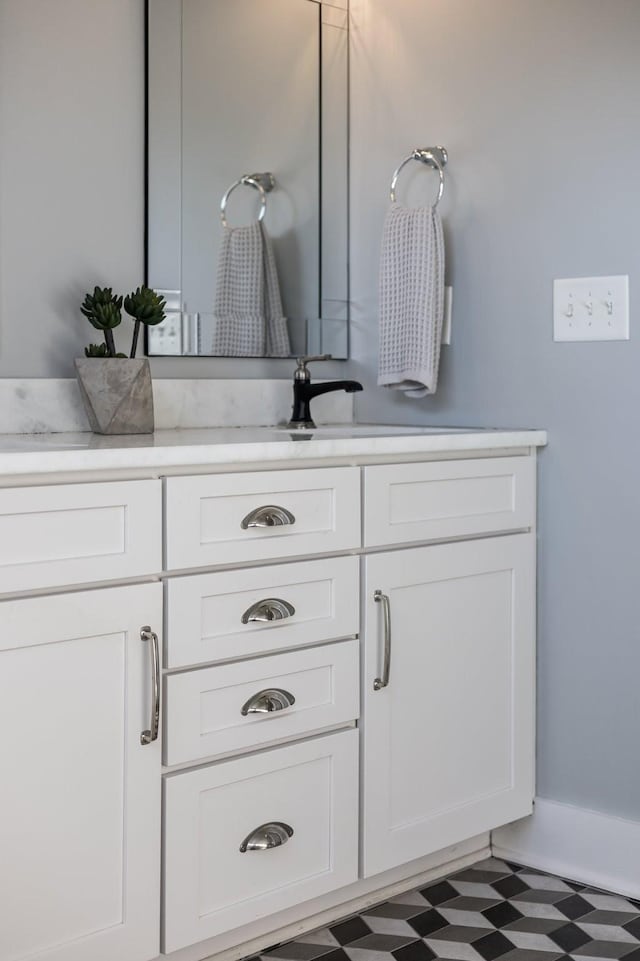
(449, 744)
(80, 798)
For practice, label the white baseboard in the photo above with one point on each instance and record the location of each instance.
(577, 844)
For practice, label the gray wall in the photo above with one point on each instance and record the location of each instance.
(71, 203)
(537, 101)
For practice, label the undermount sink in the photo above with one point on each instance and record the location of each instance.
(374, 430)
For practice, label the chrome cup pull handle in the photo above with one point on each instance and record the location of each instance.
(383, 599)
(269, 609)
(268, 701)
(270, 515)
(147, 737)
(273, 834)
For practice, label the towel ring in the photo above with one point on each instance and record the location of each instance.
(260, 182)
(435, 157)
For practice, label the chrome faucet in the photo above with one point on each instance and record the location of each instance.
(304, 391)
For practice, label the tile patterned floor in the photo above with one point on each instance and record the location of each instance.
(492, 910)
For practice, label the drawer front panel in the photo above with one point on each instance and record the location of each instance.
(78, 533)
(419, 502)
(218, 710)
(205, 611)
(205, 516)
(210, 885)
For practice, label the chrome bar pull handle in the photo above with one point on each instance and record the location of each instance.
(270, 609)
(383, 599)
(147, 737)
(268, 701)
(270, 515)
(273, 834)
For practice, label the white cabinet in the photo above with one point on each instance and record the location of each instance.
(252, 836)
(230, 707)
(80, 798)
(264, 655)
(261, 515)
(448, 743)
(226, 615)
(273, 729)
(440, 500)
(67, 534)
(446, 748)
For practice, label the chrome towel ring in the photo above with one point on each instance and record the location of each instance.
(263, 183)
(435, 157)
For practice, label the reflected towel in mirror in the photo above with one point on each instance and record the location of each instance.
(411, 300)
(248, 316)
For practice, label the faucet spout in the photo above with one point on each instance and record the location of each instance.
(303, 393)
(350, 386)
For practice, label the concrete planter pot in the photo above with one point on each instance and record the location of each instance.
(117, 394)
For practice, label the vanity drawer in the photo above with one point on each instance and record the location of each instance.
(228, 518)
(211, 885)
(77, 533)
(206, 613)
(219, 710)
(435, 500)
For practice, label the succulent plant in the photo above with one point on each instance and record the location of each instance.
(103, 309)
(96, 350)
(146, 307)
(99, 350)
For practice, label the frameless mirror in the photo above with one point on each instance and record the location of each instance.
(247, 103)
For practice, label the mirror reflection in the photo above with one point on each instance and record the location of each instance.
(247, 177)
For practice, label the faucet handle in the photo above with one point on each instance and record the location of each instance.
(301, 370)
(303, 361)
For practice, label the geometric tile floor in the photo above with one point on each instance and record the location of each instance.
(493, 909)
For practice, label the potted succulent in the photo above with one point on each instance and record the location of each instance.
(116, 389)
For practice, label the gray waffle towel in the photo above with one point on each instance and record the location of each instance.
(247, 307)
(411, 300)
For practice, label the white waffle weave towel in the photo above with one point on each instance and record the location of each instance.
(411, 300)
(247, 308)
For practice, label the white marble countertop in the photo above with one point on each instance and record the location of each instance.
(64, 453)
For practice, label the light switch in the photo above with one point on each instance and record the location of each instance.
(591, 308)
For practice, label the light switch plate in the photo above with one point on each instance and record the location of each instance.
(591, 308)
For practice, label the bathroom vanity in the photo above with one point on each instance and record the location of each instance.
(249, 678)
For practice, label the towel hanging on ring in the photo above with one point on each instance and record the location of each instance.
(412, 290)
(411, 300)
(248, 315)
